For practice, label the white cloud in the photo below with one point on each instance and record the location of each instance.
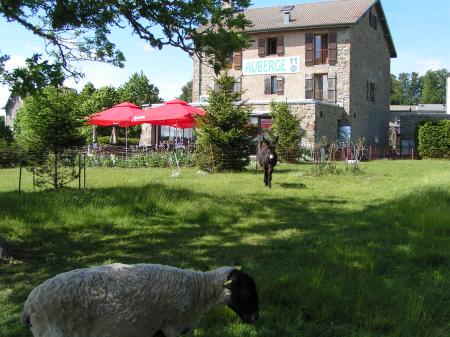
(429, 64)
(147, 48)
(15, 61)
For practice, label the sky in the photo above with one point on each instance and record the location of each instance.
(419, 29)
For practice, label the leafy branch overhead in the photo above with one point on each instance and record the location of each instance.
(78, 30)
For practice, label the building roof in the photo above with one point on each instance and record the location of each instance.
(421, 108)
(319, 14)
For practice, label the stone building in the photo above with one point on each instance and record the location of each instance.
(329, 60)
(13, 104)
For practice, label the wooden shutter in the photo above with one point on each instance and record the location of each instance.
(267, 86)
(309, 49)
(332, 88)
(309, 87)
(280, 45)
(280, 85)
(332, 48)
(261, 47)
(237, 60)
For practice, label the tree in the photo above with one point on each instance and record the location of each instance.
(286, 126)
(434, 87)
(415, 88)
(48, 125)
(397, 97)
(138, 90)
(76, 30)
(5, 131)
(186, 92)
(222, 139)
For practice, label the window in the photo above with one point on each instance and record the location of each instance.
(321, 87)
(273, 85)
(320, 48)
(271, 46)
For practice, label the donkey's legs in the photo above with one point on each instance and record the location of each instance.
(265, 175)
(269, 175)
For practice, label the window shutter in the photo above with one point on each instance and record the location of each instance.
(309, 87)
(280, 85)
(261, 47)
(332, 48)
(267, 86)
(280, 45)
(309, 49)
(237, 60)
(332, 88)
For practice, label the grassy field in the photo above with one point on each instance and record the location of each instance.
(353, 256)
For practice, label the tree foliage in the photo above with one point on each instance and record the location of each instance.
(223, 142)
(138, 90)
(186, 92)
(48, 125)
(5, 131)
(286, 126)
(76, 30)
(413, 89)
(434, 87)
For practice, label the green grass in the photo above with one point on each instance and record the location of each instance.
(353, 256)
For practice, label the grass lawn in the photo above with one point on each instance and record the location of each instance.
(365, 255)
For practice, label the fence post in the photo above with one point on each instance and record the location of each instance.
(79, 171)
(412, 153)
(84, 170)
(34, 180)
(370, 152)
(20, 171)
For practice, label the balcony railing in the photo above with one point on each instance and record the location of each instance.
(321, 56)
(319, 95)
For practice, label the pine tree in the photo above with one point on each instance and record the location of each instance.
(223, 143)
(286, 126)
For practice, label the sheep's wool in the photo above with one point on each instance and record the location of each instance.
(124, 301)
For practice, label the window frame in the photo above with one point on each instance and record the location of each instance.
(271, 46)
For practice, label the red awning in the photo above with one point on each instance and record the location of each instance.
(121, 114)
(175, 113)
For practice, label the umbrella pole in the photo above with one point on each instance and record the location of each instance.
(126, 142)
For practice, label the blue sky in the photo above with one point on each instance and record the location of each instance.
(420, 31)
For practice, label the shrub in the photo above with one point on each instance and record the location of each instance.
(434, 139)
(286, 126)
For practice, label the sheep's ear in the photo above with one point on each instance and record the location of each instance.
(227, 284)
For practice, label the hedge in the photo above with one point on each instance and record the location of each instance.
(434, 139)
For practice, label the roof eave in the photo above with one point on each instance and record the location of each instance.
(283, 29)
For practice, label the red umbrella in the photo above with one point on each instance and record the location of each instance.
(120, 114)
(176, 113)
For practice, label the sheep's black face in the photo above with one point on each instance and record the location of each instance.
(244, 298)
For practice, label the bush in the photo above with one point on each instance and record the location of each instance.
(9, 154)
(434, 139)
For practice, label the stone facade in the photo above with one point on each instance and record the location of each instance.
(362, 64)
(370, 63)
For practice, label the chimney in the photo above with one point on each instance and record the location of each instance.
(228, 4)
(448, 93)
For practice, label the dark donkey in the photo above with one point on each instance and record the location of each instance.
(267, 158)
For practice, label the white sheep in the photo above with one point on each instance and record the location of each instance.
(140, 300)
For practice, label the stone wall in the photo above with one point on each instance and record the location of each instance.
(370, 62)
(409, 122)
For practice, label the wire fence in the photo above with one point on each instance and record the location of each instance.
(39, 168)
